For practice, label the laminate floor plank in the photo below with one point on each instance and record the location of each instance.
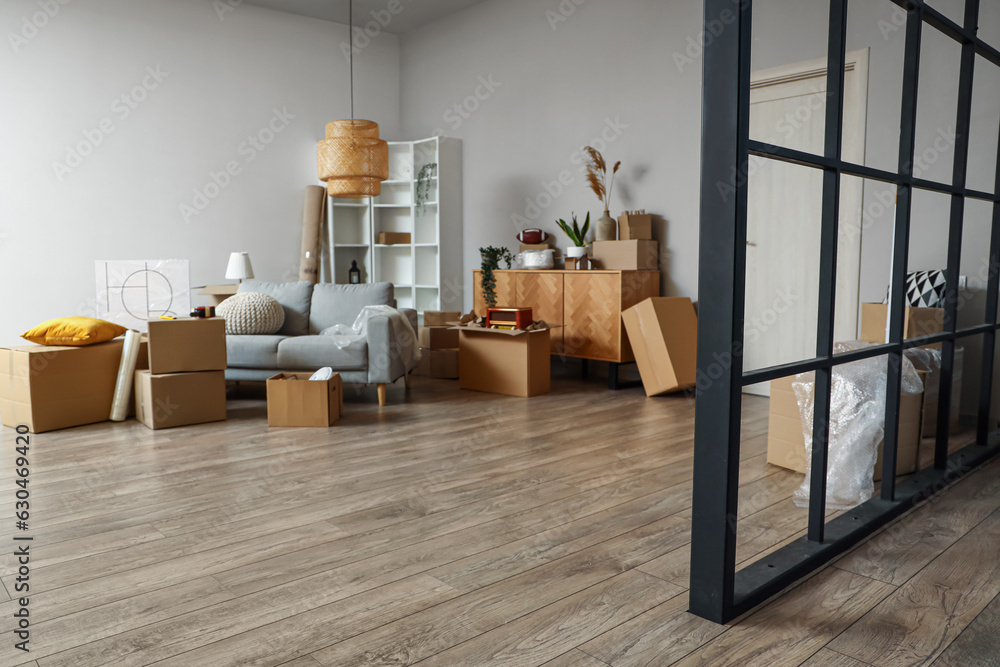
(792, 628)
(915, 624)
(828, 658)
(543, 635)
(927, 531)
(979, 642)
(661, 636)
(575, 658)
(422, 635)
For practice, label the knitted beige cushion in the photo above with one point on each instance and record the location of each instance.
(251, 313)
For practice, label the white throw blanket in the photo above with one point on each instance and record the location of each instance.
(343, 335)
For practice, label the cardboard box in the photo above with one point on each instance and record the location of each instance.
(931, 391)
(49, 387)
(304, 402)
(438, 338)
(515, 363)
(179, 399)
(663, 333)
(440, 364)
(626, 255)
(633, 226)
(393, 238)
(786, 445)
(918, 322)
(440, 318)
(187, 344)
(535, 246)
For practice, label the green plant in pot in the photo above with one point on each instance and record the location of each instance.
(576, 234)
(491, 258)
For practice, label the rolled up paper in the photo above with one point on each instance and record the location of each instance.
(126, 370)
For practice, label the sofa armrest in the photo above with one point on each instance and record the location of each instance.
(389, 344)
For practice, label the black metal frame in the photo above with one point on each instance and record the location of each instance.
(718, 591)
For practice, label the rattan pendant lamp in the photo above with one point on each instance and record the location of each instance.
(352, 160)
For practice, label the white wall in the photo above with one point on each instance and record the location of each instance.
(607, 69)
(225, 79)
(561, 80)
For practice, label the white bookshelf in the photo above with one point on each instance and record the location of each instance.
(427, 272)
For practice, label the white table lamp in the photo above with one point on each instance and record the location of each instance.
(239, 267)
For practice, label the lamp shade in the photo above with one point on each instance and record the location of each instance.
(239, 266)
(352, 160)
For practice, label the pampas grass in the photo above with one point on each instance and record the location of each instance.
(597, 173)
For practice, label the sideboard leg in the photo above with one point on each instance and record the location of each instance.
(613, 376)
(584, 368)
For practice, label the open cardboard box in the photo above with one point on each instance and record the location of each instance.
(512, 362)
(295, 400)
(917, 322)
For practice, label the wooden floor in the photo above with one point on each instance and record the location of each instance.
(458, 528)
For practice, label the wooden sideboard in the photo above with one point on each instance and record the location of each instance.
(588, 304)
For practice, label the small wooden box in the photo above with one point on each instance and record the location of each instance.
(393, 238)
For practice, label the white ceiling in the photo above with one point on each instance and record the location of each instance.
(414, 14)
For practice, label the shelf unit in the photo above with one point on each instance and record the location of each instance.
(427, 272)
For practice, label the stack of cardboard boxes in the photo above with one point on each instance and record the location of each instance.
(635, 248)
(438, 345)
(185, 382)
(786, 440)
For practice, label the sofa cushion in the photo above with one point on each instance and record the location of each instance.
(295, 298)
(312, 352)
(341, 304)
(252, 351)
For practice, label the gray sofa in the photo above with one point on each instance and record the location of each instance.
(309, 309)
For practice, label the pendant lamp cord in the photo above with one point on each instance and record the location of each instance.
(350, 21)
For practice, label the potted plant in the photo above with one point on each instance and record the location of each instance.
(597, 175)
(576, 234)
(490, 262)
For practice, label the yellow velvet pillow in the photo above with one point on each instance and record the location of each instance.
(73, 331)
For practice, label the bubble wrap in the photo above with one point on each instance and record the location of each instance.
(857, 423)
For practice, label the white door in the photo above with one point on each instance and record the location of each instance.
(788, 108)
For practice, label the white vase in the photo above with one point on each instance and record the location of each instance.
(576, 251)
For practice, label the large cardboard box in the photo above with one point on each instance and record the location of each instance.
(187, 344)
(626, 255)
(179, 399)
(917, 322)
(48, 387)
(439, 364)
(515, 363)
(635, 226)
(295, 400)
(438, 338)
(663, 332)
(786, 445)
(440, 318)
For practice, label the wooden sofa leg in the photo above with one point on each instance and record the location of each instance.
(381, 394)
(406, 380)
